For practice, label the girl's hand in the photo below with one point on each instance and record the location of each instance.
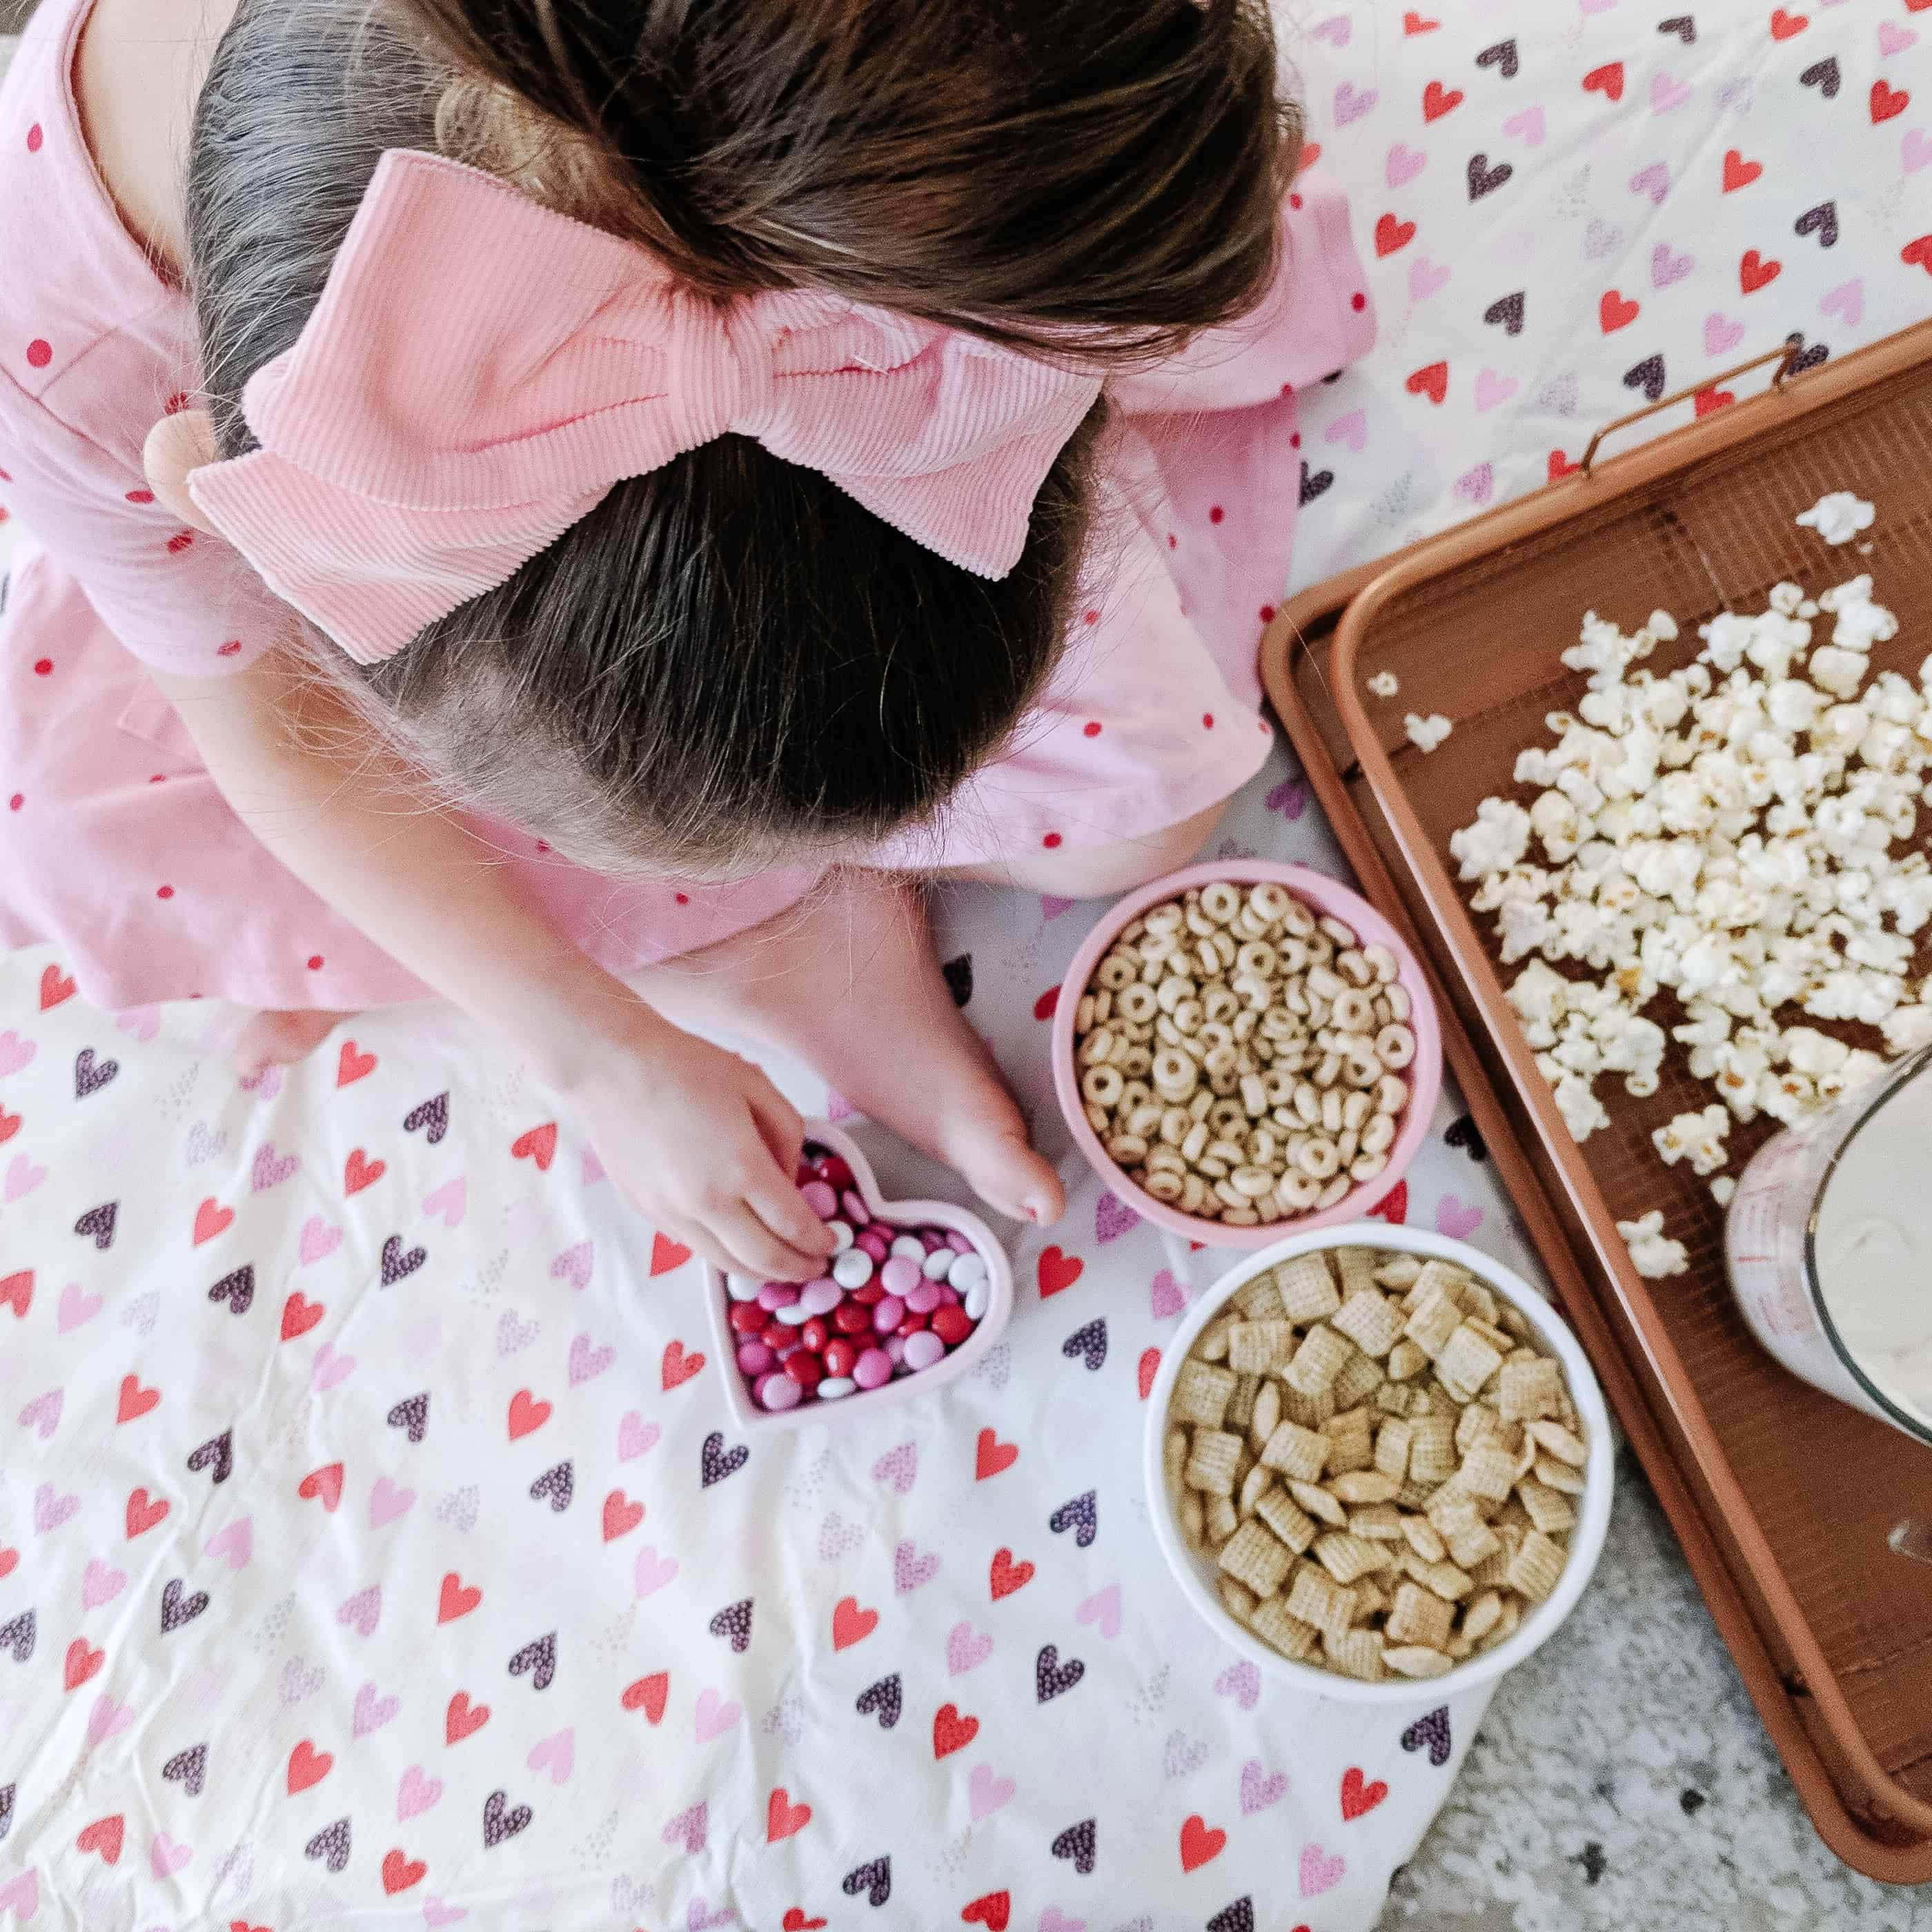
(703, 1145)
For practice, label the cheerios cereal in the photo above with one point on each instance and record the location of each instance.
(1407, 1527)
(1241, 1057)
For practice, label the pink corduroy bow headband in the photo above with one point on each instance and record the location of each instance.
(480, 370)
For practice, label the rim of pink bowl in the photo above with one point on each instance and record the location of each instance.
(1326, 895)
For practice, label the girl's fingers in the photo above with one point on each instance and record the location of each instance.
(782, 1209)
(780, 1124)
(759, 1251)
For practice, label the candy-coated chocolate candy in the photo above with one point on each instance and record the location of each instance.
(822, 1200)
(872, 1291)
(910, 1246)
(777, 1295)
(755, 1359)
(958, 1242)
(851, 1318)
(910, 1324)
(895, 1352)
(951, 1325)
(852, 1269)
(855, 1210)
(820, 1297)
(970, 1272)
(923, 1297)
(793, 1314)
(873, 1370)
(833, 1169)
(839, 1355)
(938, 1263)
(778, 1337)
(875, 1243)
(814, 1334)
(947, 1292)
(922, 1350)
(748, 1318)
(842, 1235)
(833, 1386)
(777, 1392)
(978, 1301)
(900, 1274)
(743, 1287)
(887, 1314)
(804, 1368)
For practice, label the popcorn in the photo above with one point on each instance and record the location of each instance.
(1495, 841)
(1384, 684)
(1652, 1253)
(1426, 734)
(1838, 517)
(1698, 1138)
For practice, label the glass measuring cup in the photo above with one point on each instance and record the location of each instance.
(1825, 1216)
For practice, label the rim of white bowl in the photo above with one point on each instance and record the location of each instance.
(1193, 1572)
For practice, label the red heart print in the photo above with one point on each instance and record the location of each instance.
(10, 1125)
(104, 1836)
(299, 1315)
(1887, 101)
(326, 1483)
(1150, 1365)
(1432, 381)
(1739, 173)
(1438, 101)
(462, 1719)
(1754, 272)
(795, 1920)
(135, 1400)
(1006, 1576)
(1058, 1270)
(1359, 1799)
(16, 1291)
(55, 986)
(456, 1598)
(1311, 153)
(82, 1661)
(782, 1817)
(359, 1172)
(1392, 235)
(850, 1625)
(308, 1766)
(536, 1143)
(143, 1515)
(528, 1412)
(621, 1515)
(1560, 466)
(1413, 23)
(350, 1065)
(677, 1368)
(1044, 1008)
(211, 1219)
(648, 1694)
(1918, 252)
(242, 1925)
(399, 1872)
(9, 1556)
(1607, 80)
(667, 1254)
(1706, 400)
(1784, 25)
(992, 1455)
(995, 1911)
(951, 1731)
(1199, 1843)
(1393, 1207)
(1615, 311)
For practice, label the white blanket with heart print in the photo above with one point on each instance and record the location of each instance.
(374, 1549)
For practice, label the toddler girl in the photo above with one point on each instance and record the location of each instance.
(652, 613)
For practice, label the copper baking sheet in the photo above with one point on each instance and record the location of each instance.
(1783, 1498)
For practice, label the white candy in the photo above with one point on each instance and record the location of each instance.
(969, 1272)
(937, 1266)
(831, 1387)
(742, 1287)
(841, 1232)
(975, 1301)
(853, 1268)
(911, 1247)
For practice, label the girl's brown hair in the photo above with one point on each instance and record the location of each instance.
(1025, 168)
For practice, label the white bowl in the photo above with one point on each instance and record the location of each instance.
(1195, 1571)
(745, 1413)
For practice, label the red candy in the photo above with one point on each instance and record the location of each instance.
(833, 1170)
(748, 1318)
(849, 1318)
(840, 1356)
(871, 1292)
(814, 1334)
(804, 1368)
(914, 1322)
(952, 1324)
(778, 1338)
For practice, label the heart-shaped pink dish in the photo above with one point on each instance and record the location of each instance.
(883, 1324)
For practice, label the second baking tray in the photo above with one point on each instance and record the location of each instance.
(1783, 1498)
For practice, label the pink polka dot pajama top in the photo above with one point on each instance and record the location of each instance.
(116, 844)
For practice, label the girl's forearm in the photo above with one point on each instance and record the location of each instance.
(361, 830)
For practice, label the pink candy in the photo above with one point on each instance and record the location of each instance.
(820, 1198)
(900, 1277)
(923, 1297)
(922, 1350)
(888, 1313)
(777, 1392)
(777, 1295)
(873, 1370)
(820, 1297)
(755, 1359)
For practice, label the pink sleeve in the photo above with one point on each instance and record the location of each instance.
(179, 601)
(1316, 319)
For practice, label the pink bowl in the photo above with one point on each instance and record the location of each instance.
(1424, 1074)
(746, 1414)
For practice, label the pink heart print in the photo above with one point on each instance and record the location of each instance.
(1051, 907)
(43, 1413)
(271, 1169)
(1721, 334)
(1166, 1297)
(417, 1793)
(236, 1542)
(143, 1022)
(1653, 180)
(1667, 92)
(715, 1715)
(450, 1201)
(1528, 124)
(899, 1468)
(966, 1648)
(1241, 1681)
(361, 1612)
(1665, 268)
(1403, 165)
(635, 1435)
(592, 1167)
(985, 1792)
(23, 1176)
(329, 1369)
(437, 1914)
(51, 1508)
(556, 1754)
(1351, 103)
(689, 1829)
(912, 1567)
(1456, 1218)
(699, 1917)
(1113, 1218)
(1477, 485)
(1102, 1610)
(166, 1858)
(1893, 39)
(588, 1360)
(387, 1502)
(100, 1583)
(573, 1265)
(1847, 300)
(651, 1572)
(15, 1052)
(264, 1085)
(373, 1711)
(1337, 29)
(318, 1239)
(1425, 278)
(1352, 429)
(106, 1718)
(76, 1308)
(1492, 388)
(1320, 1871)
(23, 1894)
(1914, 155)
(1054, 1920)
(1261, 1788)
